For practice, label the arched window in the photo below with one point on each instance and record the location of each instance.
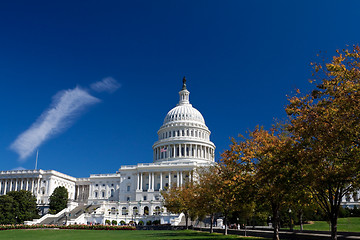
(157, 210)
(112, 193)
(95, 194)
(135, 211)
(113, 210)
(124, 211)
(102, 194)
(146, 210)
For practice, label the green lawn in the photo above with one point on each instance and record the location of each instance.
(48, 234)
(344, 225)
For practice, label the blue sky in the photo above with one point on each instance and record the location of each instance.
(241, 59)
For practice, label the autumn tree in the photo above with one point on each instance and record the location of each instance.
(58, 200)
(327, 124)
(207, 201)
(180, 200)
(269, 157)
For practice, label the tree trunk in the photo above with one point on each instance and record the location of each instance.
(186, 221)
(333, 222)
(211, 222)
(276, 221)
(301, 221)
(225, 222)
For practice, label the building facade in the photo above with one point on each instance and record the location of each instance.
(133, 193)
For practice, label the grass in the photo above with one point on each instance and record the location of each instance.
(344, 225)
(47, 234)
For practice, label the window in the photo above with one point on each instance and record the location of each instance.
(129, 177)
(112, 193)
(157, 210)
(145, 198)
(175, 176)
(103, 184)
(128, 188)
(112, 184)
(96, 185)
(103, 194)
(124, 211)
(96, 194)
(135, 211)
(128, 199)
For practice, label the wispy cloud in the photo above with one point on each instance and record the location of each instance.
(108, 84)
(18, 168)
(66, 106)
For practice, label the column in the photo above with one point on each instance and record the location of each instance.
(196, 150)
(38, 186)
(174, 150)
(153, 181)
(22, 184)
(169, 180)
(181, 178)
(1, 186)
(5, 186)
(161, 184)
(32, 186)
(138, 182)
(177, 179)
(149, 181)
(141, 181)
(10, 185)
(16, 184)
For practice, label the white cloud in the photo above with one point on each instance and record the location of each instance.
(18, 168)
(106, 85)
(66, 106)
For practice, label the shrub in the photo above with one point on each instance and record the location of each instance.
(107, 222)
(114, 222)
(122, 222)
(148, 223)
(141, 223)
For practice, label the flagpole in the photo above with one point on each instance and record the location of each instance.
(37, 155)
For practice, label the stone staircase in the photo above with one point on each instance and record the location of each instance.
(68, 215)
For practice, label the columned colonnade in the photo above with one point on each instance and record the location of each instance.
(184, 151)
(164, 179)
(17, 184)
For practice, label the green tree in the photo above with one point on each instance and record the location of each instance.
(327, 125)
(58, 200)
(7, 210)
(17, 207)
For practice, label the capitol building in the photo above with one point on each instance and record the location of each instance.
(133, 193)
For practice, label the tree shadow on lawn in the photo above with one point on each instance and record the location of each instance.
(190, 236)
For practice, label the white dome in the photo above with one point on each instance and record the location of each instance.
(184, 113)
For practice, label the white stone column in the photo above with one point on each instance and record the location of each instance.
(138, 182)
(161, 183)
(177, 178)
(181, 178)
(22, 184)
(169, 180)
(141, 181)
(5, 186)
(149, 181)
(153, 181)
(10, 185)
(32, 186)
(1, 186)
(38, 186)
(16, 184)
